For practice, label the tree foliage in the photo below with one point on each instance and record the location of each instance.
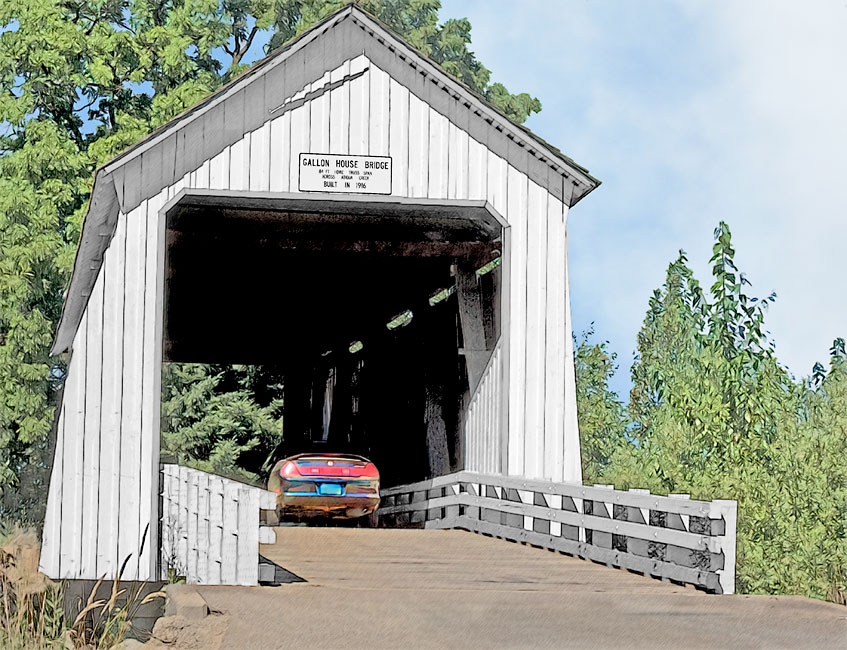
(80, 80)
(713, 414)
(226, 420)
(601, 415)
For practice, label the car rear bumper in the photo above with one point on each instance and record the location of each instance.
(350, 505)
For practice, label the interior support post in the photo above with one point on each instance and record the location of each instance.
(472, 317)
(297, 393)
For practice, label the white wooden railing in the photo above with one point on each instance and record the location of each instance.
(669, 537)
(211, 527)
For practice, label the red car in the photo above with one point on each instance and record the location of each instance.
(341, 486)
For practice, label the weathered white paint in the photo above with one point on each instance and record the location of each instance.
(210, 527)
(523, 417)
(104, 482)
(704, 557)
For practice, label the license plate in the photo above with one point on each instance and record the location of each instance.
(330, 489)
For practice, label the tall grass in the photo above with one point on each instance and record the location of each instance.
(32, 606)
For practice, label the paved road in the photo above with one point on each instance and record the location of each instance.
(393, 589)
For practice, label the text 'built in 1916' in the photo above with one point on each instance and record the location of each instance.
(323, 172)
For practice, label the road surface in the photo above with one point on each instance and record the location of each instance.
(428, 589)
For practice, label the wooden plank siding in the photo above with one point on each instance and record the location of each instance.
(522, 420)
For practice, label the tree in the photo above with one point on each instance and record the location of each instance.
(80, 80)
(714, 415)
(417, 22)
(601, 415)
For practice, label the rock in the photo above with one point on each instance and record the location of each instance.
(185, 601)
(179, 633)
(168, 628)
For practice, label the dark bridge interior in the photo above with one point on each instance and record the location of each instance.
(314, 288)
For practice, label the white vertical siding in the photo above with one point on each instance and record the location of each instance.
(69, 529)
(91, 442)
(398, 137)
(110, 416)
(339, 111)
(319, 118)
(418, 146)
(151, 381)
(74, 421)
(49, 562)
(298, 143)
(477, 171)
(483, 421)
(380, 108)
(260, 163)
(536, 344)
(239, 167)
(554, 395)
(280, 136)
(517, 211)
(359, 107)
(129, 535)
(572, 470)
(439, 141)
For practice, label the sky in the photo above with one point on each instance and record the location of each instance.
(690, 113)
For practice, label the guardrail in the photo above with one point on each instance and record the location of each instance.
(669, 537)
(211, 527)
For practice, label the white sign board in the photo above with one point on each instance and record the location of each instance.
(328, 172)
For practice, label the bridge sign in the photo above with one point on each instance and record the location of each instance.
(321, 172)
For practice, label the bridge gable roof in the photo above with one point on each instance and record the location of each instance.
(258, 95)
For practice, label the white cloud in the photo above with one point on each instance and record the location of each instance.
(692, 112)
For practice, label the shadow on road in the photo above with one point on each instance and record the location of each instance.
(281, 576)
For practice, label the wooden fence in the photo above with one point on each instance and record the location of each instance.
(211, 527)
(669, 537)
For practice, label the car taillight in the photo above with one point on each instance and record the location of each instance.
(289, 469)
(370, 470)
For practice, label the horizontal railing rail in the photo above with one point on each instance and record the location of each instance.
(211, 528)
(669, 537)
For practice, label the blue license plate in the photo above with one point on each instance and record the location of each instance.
(330, 489)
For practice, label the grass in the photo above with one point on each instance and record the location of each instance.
(32, 613)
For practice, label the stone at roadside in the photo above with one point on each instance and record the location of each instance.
(180, 633)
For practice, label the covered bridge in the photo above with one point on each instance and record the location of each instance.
(413, 241)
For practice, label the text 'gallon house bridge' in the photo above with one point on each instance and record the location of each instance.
(414, 243)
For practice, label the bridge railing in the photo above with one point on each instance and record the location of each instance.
(669, 537)
(211, 527)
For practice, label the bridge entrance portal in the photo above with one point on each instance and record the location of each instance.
(379, 314)
(218, 239)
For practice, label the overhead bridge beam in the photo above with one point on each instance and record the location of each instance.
(476, 252)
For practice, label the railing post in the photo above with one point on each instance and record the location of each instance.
(601, 509)
(635, 545)
(193, 490)
(216, 527)
(229, 542)
(728, 510)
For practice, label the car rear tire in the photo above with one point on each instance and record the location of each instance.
(370, 521)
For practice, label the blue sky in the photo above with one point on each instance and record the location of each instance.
(690, 112)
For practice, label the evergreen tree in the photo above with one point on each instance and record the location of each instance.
(226, 420)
